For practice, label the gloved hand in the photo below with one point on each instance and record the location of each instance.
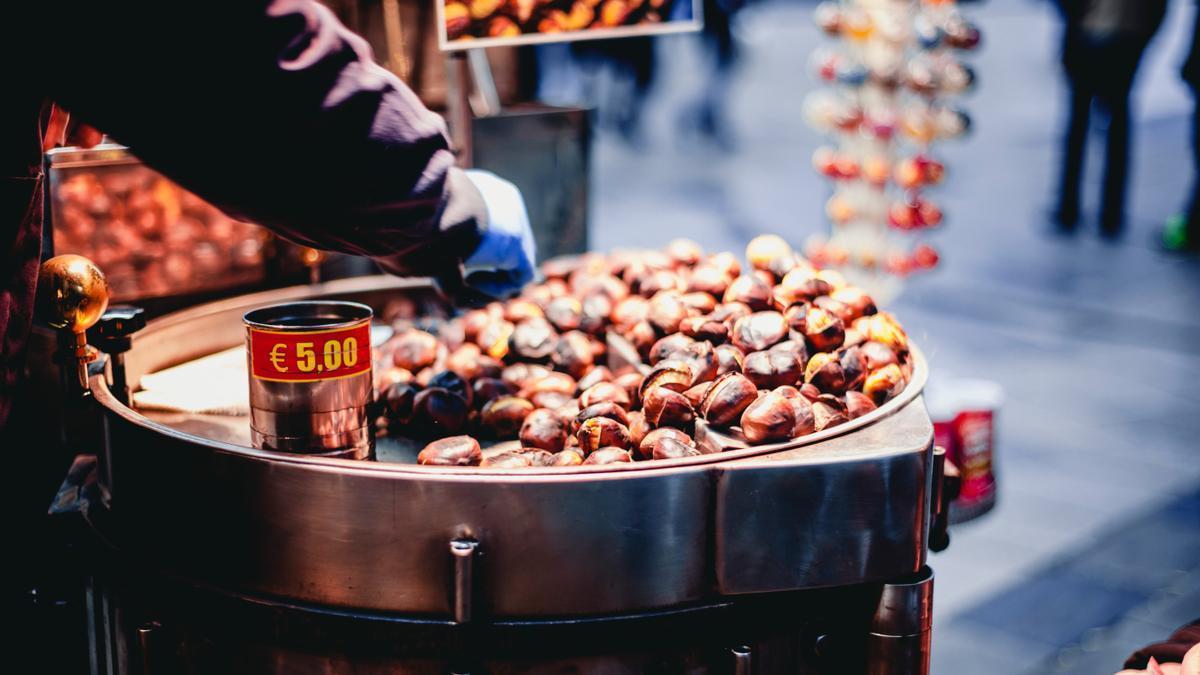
(504, 261)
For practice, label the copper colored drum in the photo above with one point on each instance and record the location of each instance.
(310, 378)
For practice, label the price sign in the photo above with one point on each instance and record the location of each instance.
(310, 356)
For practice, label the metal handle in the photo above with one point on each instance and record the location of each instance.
(462, 551)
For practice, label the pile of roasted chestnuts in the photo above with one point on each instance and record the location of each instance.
(765, 353)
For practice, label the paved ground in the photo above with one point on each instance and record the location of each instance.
(1094, 548)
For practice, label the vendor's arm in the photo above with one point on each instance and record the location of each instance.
(275, 112)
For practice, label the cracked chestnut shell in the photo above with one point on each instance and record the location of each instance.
(664, 407)
(883, 383)
(671, 374)
(823, 331)
(829, 411)
(646, 449)
(601, 432)
(727, 398)
(452, 451)
(729, 359)
(773, 368)
(544, 429)
(750, 290)
(439, 412)
(701, 359)
(573, 354)
(759, 331)
(613, 455)
(503, 417)
(825, 372)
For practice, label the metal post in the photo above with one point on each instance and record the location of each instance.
(899, 641)
(463, 553)
(743, 660)
(458, 106)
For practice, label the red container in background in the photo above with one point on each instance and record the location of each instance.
(964, 422)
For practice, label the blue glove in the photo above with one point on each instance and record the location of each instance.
(504, 261)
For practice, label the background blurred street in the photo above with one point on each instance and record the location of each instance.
(1094, 547)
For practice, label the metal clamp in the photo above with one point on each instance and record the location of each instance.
(114, 336)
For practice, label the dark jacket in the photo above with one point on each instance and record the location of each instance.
(272, 110)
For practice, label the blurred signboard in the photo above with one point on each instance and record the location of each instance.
(468, 24)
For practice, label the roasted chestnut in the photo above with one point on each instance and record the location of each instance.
(698, 303)
(544, 429)
(567, 458)
(451, 381)
(701, 358)
(776, 416)
(566, 313)
(594, 376)
(854, 366)
(667, 346)
(611, 455)
(486, 389)
(507, 460)
(709, 279)
(764, 248)
(602, 409)
(647, 446)
(881, 384)
(600, 432)
(605, 391)
(398, 401)
(550, 399)
(503, 417)
(829, 411)
(727, 398)
(877, 355)
(533, 339)
(750, 290)
(675, 375)
(414, 350)
(729, 359)
(494, 337)
(704, 328)
(730, 312)
(858, 404)
(666, 408)
(666, 311)
(826, 373)
(538, 457)
(573, 354)
(695, 395)
(824, 331)
(520, 375)
(857, 300)
(684, 251)
(773, 368)
(631, 382)
(759, 331)
(631, 310)
(439, 412)
(452, 451)
(551, 381)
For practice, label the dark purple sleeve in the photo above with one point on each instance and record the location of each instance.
(275, 112)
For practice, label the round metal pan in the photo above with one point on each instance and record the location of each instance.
(827, 510)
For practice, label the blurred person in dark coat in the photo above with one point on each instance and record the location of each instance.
(270, 109)
(1103, 42)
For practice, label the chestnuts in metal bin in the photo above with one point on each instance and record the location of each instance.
(774, 351)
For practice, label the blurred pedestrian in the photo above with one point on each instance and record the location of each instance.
(1103, 42)
(707, 116)
(1182, 232)
(630, 62)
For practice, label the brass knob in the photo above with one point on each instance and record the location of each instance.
(72, 293)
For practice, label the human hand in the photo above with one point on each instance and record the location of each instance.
(504, 261)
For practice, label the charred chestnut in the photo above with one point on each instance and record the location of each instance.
(503, 417)
(648, 444)
(573, 354)
(602, 409)
(727, 398)
(452, 451)
(544, 429)
(439, 412)
(751, 291)
(824, 331)
(773, 368)
(600, 432)
(664, 407)
(759, 331)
